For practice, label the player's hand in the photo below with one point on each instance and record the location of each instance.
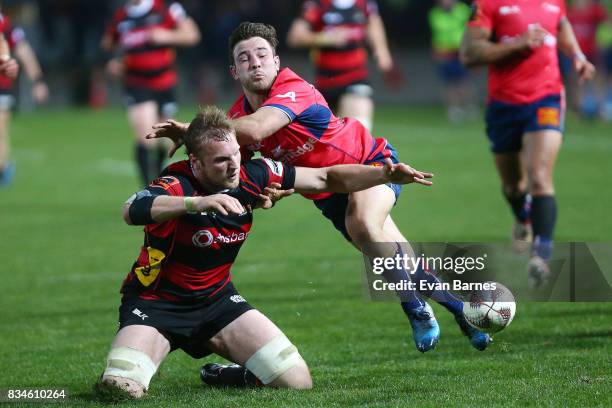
(533, 38)
(172, 130)
(115, 68)
(384, 62)
(335, 37)
(401, 173)
(9, 68)
(160, 36)
(271, 195)
(40, 92)
(584, 69)
(219, 203)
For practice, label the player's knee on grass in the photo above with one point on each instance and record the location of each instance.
(279, 364)
(115, 389)
(128, 370)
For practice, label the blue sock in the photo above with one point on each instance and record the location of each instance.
(446, 299)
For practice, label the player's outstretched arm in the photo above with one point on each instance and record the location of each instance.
(257, 126)
(143, 208)
(478, 49)
(347, 178)
(570, 47)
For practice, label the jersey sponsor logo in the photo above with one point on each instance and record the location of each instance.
(237, 299)
(275, 167)
(138, 313)
(147, 274)
(548, 116)
(305, 148)
(290, 95)
(506, 10)
(205, 238)
(552, 8)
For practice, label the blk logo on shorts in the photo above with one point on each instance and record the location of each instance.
(138, 313)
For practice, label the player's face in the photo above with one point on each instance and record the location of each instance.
(218, 164)
(255, 65)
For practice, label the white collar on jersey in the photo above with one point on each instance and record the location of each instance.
(140, 9)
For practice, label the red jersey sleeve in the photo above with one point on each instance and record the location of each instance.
(258, 174)
(175, 13)
(311, 12)
(371, 7)
(292, 97)
(482, 14)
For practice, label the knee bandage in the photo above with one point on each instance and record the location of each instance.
(272, 360)
(129, 363)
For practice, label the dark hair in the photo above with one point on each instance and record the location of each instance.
(210, 124)
(247, 30)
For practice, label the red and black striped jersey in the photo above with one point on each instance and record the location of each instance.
(340, 66)
(146, 65)
(13, 36)
(190, 257)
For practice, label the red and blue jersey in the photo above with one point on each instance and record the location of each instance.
(315, 137)
(12, 35)
(535, 74)
(190, 257)
(146, 66)
(340, 66)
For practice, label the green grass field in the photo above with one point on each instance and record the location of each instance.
(65, 251)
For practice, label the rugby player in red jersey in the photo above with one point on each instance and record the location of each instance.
(518, 40)
(338, 32)
(286, 119)
(145, 33)
(15, 42)
(179, 294)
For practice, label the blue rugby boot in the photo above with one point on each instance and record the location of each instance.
(425, 329)
(7, 174)
(479, 340)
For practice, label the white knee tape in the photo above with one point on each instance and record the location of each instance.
(129, 363)
(272, 360)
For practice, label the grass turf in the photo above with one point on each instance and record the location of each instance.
(65, 251)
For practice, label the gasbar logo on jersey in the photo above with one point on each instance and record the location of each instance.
(205, 238)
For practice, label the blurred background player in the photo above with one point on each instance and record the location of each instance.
(14, 38)
(145, 33)
(604, 44)
(526, 108)
(585, 16)
(447, 21)
(337, 32)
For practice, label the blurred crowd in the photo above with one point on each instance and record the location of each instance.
(66, 35)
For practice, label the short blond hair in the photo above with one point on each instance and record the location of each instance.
(210, 124)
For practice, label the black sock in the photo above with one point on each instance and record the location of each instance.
(520, 206)
(543, 218)
(142, 160)
(238, 376)
(159, 159)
